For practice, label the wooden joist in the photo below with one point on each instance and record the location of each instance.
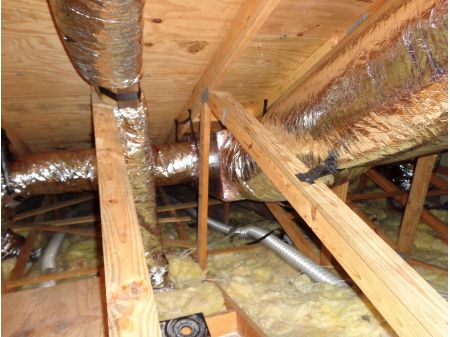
(410, 305)
(205, 143)
(130, 302)
(174, 219)
(414, 205)
(247, 23)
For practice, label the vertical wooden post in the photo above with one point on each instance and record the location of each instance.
(325, 255)
(414, 206)
(202, 233)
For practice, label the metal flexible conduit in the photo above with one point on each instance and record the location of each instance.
(48, 260)
(288, 253)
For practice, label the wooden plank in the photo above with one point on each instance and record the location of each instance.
(293, 231)
(410, 305)
(414, 205)
(427, 217)
(59, 222)
(180, 228)
(245, 326)
(65, 275)
(205, 143)
(249, 20)
(22, 260)
(129, 296)
(61, 229)
(185, 205)
(175, 219)
(71, 309)
(53, 207)
(383, 195)
(222, 324)
(227, 250)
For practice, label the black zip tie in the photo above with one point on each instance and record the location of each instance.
(328, 167)
(280, 234)
(121, 97)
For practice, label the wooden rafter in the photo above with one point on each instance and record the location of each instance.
(249, 20)
(406, 300)
(130, 302)
(18, 145)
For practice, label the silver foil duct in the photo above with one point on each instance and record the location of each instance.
(102, 38)
(389, 106)
(132, 122)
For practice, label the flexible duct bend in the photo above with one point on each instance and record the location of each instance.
(288, 253)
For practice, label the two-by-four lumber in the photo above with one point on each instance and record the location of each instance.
(130, 302)
(384, 195)
(432, 221)
(293, 231)
(414, 205)
(87, 219)
(53, 207)
(408, 303)
(249, 20)
(205, 143)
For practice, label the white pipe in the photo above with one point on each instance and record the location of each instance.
(48, 259)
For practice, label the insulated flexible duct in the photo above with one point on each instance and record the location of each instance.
(288, 253)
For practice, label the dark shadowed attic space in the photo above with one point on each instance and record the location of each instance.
(224, 168)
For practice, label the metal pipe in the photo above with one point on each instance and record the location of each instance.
(291, 255)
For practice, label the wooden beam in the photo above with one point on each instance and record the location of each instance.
(383, 195)
(65, 275)
(205, 140)
(18, 145)
(130, 302)
(434, 223)
(180, 228)
(293, 231)
(22, 260)
(408, 303)
(61, 229)
(53, 207)
(185, 205)
(60, 222)
(414, 205)
(247, 23)
(175, 219)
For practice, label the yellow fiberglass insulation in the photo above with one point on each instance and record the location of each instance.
(285, 303)
(184, 272)
(203, 297)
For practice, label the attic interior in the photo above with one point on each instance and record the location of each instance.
(225, 168)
